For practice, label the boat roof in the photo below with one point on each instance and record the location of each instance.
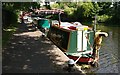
(69, 26)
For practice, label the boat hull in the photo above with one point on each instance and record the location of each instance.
(82, 59)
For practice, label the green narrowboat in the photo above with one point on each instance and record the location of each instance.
(77, 41)
(43, 25)
(74, 41)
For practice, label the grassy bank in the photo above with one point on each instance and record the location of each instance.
(7, 33)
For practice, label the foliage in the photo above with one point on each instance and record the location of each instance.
(86, 11)
(55, 5)
(10, 11)
(116, 14)
(78, 11)
(104, 8)
(8, 18)
(69, 11)
(15, 6)
(103, 18)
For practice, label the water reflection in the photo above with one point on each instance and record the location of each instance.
(109, 50)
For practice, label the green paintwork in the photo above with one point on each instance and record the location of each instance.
(72, 42)
(44, 23)
(73, 45)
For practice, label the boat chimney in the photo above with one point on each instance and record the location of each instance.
(59, 19)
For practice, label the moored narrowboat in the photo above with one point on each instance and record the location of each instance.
(74, 39)
(79, 42)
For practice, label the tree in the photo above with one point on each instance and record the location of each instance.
(11, 9)
(14, 6)
(104, 8)
(116, 15)
(86, 11)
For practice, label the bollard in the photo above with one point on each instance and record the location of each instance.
(71, 64)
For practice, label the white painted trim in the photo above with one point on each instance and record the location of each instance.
(79, 40)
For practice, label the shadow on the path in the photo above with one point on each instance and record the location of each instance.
(26, 55)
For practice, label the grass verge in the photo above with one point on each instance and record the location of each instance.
(7, 33)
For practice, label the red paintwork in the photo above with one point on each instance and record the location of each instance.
(82, 59)
(72, 27)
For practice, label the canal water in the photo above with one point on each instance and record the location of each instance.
(108, 62)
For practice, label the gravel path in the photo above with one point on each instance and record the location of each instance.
(28, 52)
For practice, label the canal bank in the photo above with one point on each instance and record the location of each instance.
(28, 52)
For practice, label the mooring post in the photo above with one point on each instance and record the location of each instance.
(71, 64)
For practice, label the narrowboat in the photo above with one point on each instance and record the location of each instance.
(74, 39)
(77, 41)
